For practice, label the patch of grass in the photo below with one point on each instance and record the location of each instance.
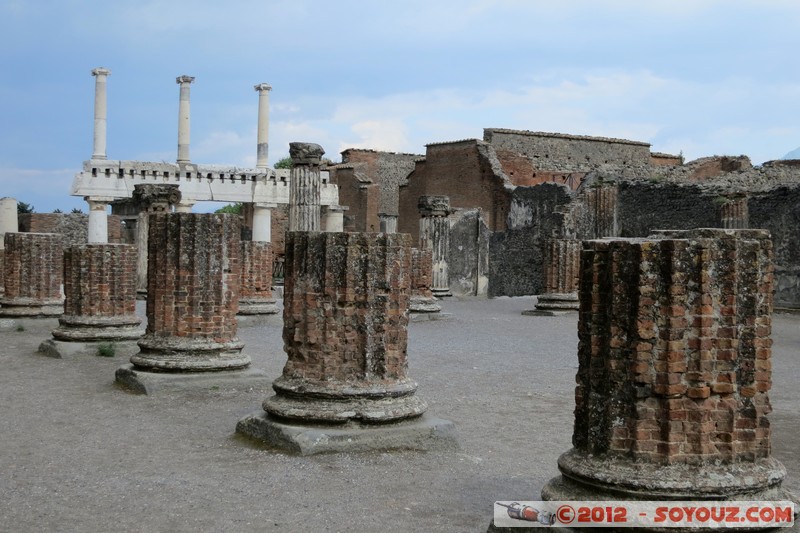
(106, 349)
(20, 328)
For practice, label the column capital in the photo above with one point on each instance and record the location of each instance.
(434, 205)
(100, 71)
(305, 153)
(99, 199)
(263, 87)
(184, 79)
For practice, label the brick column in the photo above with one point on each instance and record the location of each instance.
(256, 285)
(100, 289)
(345, 333)
(601, 203)
(674, 370)
(734, 213)
(193, 280)
(388, 222)
(304, 187)
(33, 275)
(422, 299)
(561, 262)
(434, 235)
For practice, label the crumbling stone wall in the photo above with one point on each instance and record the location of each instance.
(74, 227)
(555, 151)
(361, 196)
(468, 261)
(389, 170)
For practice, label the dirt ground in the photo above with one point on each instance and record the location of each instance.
(79, 454)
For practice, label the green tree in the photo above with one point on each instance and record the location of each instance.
(22, 207)
(57, 211)
(76, 210)
(233, 209)
(286, 162)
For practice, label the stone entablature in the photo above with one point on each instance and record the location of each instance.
(117, 178)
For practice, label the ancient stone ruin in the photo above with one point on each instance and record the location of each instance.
(422, 299)
(561, 265)
(194, 271)
(434, 235)
(674, 370)
(345, 385)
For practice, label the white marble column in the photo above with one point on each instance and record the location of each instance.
(388, 223)
(8, 218)
(304, 187)
(434, 235)
(100, 112)
(334, 218)
(184, 116)
(98, 219)
(262, 222)
(262, 154)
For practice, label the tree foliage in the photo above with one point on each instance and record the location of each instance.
(233, 209)
(285, 162)
(23, 207)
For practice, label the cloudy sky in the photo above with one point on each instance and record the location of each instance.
(702, 77)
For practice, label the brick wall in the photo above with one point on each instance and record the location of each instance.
(100, 280)
(362, 197)
(256, 270)
(388, 170)
(74, 227)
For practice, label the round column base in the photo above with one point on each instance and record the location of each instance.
(333, 402)
(31, 307)
(257, 306)
(557, 302)
(424, 304)
(87, 328)
(178, 354)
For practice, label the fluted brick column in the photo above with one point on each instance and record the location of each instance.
(734, 213)
(434, 235)
(256, 287)
(150, 198)
(194, 273)
(33, 266)
(422, 299)
(601, 202)
(561, 262)
(100, 289)
(674, 370)
(304, 187)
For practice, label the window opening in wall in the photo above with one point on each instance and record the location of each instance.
(208, 176)
(143, 173)
(94, 172)
(108, 172)
(166, 175)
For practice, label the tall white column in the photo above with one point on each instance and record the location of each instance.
(263, 125)
(98, 219)
(8, 218)
(434, 235)
(262, 222)
(100, 112)
(184, 116)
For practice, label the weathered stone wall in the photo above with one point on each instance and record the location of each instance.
(515, 255)
(644, 207)
(553, 151)
(361, 196)
(74, 227)
(523, 173)
(778, 211)
(421, 273)
(468, 262)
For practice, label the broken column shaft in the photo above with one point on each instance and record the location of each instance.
(422, 299)
(561, 262)
(674, 370)
(194, 271)
(256, 286)
(345, 385)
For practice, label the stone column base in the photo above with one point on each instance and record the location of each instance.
(419, 433)
(29, 307)
(376, 403)
(178, 354)
(257, 306)
(422, 304)
(442, 293)
(87, 329)
(67, 349)
(554, 304)
(139, 381)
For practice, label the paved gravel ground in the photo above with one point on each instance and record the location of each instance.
(79, 454)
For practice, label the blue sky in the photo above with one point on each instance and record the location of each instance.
(702, 77)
